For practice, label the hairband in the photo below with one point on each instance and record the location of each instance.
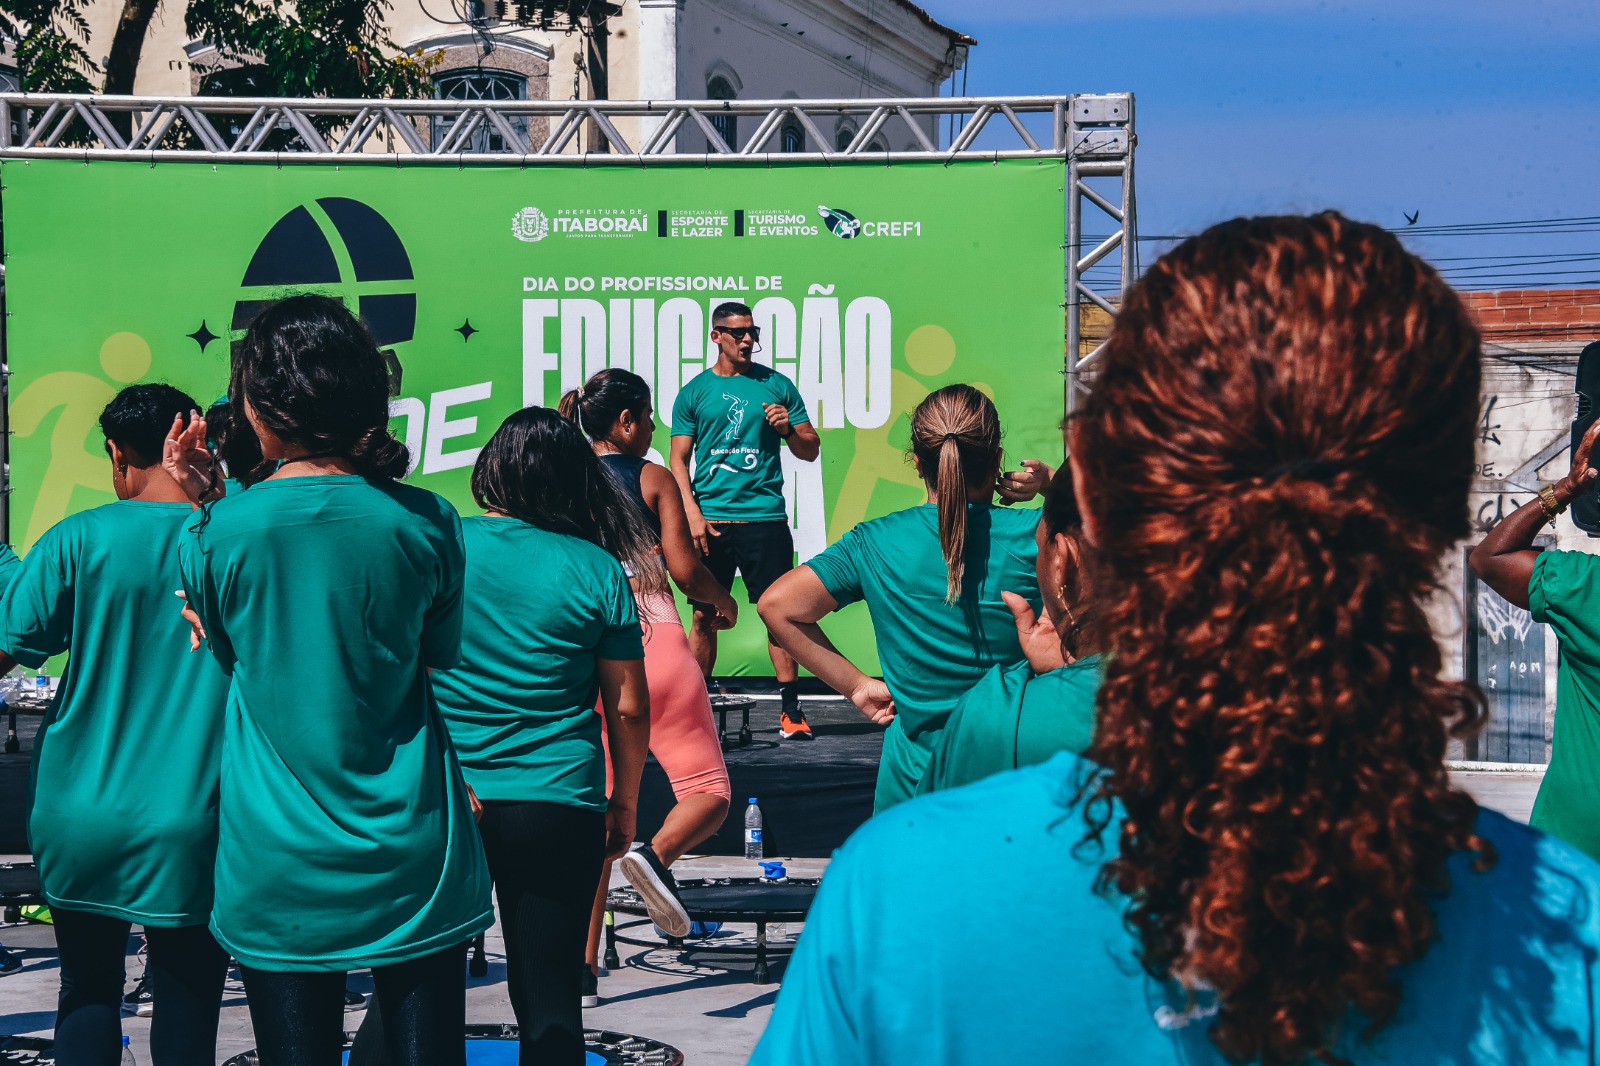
(950, 436)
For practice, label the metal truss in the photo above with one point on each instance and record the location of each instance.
(579, 132)
(1094, 134)
(1100, 139)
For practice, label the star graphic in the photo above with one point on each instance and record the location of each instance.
(202, 336)
(466, 330)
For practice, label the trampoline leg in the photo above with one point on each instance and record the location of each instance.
(744, 730)
(611, 961)
(478, 961)
(761, 976)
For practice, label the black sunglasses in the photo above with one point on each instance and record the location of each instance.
(739, 333)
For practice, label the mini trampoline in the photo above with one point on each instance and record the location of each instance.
(496, 1045)
(722, 704)
(19, 887)
(742, 900)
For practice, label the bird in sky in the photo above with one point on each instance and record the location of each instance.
(1411, 219)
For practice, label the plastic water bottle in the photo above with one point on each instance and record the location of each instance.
(752, 830)
(127, 1054)
(41, 686)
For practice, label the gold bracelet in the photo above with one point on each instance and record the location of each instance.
(1548, 502)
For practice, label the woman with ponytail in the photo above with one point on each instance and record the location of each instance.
(932, 578)
(550, 624)
(327, 591)
(1021, 715)
(1274, 468)
(613, 408)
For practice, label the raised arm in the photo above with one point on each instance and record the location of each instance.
(661, 493)
(791, 609)
(1504, 559)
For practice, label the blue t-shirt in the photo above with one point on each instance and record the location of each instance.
(962, 927)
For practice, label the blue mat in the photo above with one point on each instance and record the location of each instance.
(499, 1053)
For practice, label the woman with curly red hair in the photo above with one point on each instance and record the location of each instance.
(1273, 464)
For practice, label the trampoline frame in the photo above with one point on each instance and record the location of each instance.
(628, 901)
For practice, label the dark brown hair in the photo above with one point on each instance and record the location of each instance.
(955, 434)
(1275, 458)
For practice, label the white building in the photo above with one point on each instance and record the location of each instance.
(649, 50)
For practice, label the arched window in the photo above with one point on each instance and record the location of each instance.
(727, 125)
(843, 136)
(474, 83)
(877, 146)
(794, 137)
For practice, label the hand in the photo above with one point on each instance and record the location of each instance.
(701, 531)
(778, 418)
(1581, 478)
(727, 612)
(1039, 639)
(197, 632)
(620, 824)
(475, 803)
(187, 460)
(1019, 486)
(872, 699)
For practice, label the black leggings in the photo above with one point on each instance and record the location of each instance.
(545, 859)
(299, 1017)
(186, 970)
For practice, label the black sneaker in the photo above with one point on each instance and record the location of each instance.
(654, 883)
(141, 1000)
(591, 988)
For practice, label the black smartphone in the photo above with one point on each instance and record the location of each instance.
(1586, 508)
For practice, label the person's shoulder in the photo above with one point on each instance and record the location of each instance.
(1015, 521)
(1005, 808)
(1533, 875)
(421, 503)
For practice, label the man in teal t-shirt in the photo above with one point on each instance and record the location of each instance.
(127, 764)
(734, 418)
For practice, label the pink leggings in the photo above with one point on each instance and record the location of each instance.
(683, 737)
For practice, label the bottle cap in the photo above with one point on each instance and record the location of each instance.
(752, 799)
(124, 1040)
(772, 870)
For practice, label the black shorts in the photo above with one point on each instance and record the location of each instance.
(761, 552)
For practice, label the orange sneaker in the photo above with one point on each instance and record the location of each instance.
(792, 725)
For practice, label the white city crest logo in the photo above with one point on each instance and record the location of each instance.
(530, 224)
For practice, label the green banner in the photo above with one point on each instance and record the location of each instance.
(499, 287)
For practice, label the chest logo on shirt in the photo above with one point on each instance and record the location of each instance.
(746, 458)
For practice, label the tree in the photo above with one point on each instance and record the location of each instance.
(51, 38)
(266, 47)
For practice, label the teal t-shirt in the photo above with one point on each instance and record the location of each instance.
(540, 609)
(1565, 593)
(1013, 718)
(126, 763)
(887, 976)
(9, 562)
(738, 469)
(346, 836)
(932, 652)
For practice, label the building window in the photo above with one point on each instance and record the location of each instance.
(843, 136)
(877, 146)
(726, 125)
(794, 137)
(475, 83)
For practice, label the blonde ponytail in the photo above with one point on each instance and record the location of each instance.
(955, 434)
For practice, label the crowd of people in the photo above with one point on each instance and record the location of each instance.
(1178, 735)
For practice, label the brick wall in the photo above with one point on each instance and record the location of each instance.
(1537, 314)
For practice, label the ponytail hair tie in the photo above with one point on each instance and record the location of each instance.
(580, 393)
(950, 436)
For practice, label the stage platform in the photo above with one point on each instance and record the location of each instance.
(813, 793)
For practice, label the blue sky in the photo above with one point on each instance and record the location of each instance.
(1468, 112)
